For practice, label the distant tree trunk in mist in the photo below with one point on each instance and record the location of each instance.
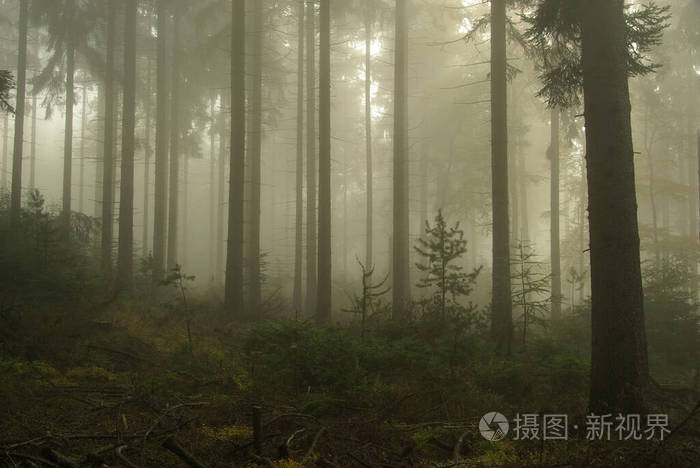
(522, 195)
(81, 170)
(619, 366)
(108, 151)
(311, 247)
(70, 99)
(160, 201)
(99, 150)
(148, 153)
(323, 303)
(125, 257)
(175, 118)
(368, 139)
(32, 151)
(513, 177)
(648, 146)
(554, 214)
(184, 210)
(698, 165)
(5, 147)
(401, 288)
(233, 300)
(220, 187)
(16, 194)
(255, 157)
(299, 215)
(212, 185)
(501, 313)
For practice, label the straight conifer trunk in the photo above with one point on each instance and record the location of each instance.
(233, 291)
(323, 303)
(311, 227)
(108, 151)
(81, 166)
(16, 193)
(70, 100)
(32, 151)
(174, 179)
(299, 215)
(160, 213)
(554, 214)
(147, 155)
(369, 228)
(619, 366)
(401, 289)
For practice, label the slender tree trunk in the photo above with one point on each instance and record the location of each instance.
(70, 99)
(554, 215)
(502, 313)
(255, 148)
(311, 247)
(648, 146)
(522, 189)
(234, 256)
(174, 182)
(323, 302)
(5, 148)
(160, 213)
(184, 210)
(369, 261)
(212, 186)
(619, 366)
(147, 155)
(16, 194)
(221, 184)
(299, 215)
(126, 188)
(108, 153)
(32, 154)
(81, 167)
(698, 151)
(99, 150)
(401, 289)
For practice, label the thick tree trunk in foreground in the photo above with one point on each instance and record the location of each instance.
(68, 132)
(255, 148)
(323, 303)
(311, 247)
(619, 367)
(502, 313)
(401, 288)
(16, 194)
(108, 150)
(125, 257)
(175, 118)
(233, 300)
(160, 201)
(554, 215)
(299, 215)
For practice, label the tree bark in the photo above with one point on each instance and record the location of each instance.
(323, 303)
(5, 148)
(368, 140)
(174, 178)
(108, 151)
(502, 313)
(554, 215)
(299, 215)
(212, 186)
(619, 366)
(16, 194)
(81, 165)
(147, 155)
(32, 151)
(70, 100)
(234, 255)
(125, 264)
(99, 150)
(255, 158)
(220, 189)
(311, 247)
(401, 289)
(161, 170)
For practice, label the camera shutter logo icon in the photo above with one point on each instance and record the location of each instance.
(493, 426)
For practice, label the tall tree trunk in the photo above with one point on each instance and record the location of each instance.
(255, 155)
(311, 247)
(221, 184)
(32, 151)
(147, 155)
(323, 302)
(174, 182)
(502, 313)
(698, 151)
(16, 194)
(522, 190)
(299, 215)
(619, 366)
(70, 99)
(648, 146)
(5, 148)
(554, 214)
(160, 202)
(184, 205)
(368, 139)
(234, 255)
(212, 186)
(108, 152)
(401, 289)
(99, 150)
(81, 166)
(125, 267)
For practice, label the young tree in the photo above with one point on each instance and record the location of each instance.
(233, 299)
(323, 302)
(16, 193)
(401, 289)
(125, 255)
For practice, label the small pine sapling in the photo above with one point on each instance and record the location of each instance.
(177, 278)
(531, 293)
(363, 303)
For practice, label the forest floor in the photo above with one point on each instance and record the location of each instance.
(127, 390)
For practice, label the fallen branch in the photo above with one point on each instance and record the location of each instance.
(456, 455)
(12, 455)
(60, 460)
(172, 445)
(291, 415)
(118, 452)
(314, 442)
